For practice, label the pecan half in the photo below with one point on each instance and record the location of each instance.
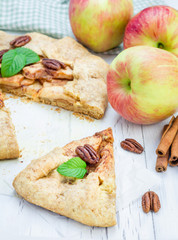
(62, 64)
(150, 201)
(2, 53)
(132, 145)
(53, 64)
(87, 153)
(20, 41)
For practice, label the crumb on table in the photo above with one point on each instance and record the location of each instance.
(83, 117)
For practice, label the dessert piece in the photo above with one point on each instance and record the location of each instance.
(8, 143)
(90, 200)
(84, 75)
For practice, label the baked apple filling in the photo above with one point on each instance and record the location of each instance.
(15, 81)
(39, 72)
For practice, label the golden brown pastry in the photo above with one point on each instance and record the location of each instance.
(90, 200)
(84, 92)
(8, 143)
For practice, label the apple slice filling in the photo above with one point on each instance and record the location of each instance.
(38, 71)
(47, 77)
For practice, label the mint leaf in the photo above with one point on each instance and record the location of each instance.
(15, 60)
(12, 63)
(74, 167)
(31, 56)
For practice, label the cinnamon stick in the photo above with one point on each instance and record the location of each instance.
(168, 137)
(173, 161)
(162, 161)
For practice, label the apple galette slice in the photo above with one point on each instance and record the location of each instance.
(66, 76)
(88, 195)
(9, 148)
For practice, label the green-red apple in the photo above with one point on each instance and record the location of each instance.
(154, 26)
(142, 84)
(100, 24)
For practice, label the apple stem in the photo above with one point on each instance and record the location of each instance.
(160, 45)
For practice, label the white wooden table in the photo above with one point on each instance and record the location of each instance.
(39, 129)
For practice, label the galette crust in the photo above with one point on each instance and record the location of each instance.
(90, 200)
(9, 148)
(88, 88)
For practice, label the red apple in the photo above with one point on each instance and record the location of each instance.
(142, 84)
(100, 24)
(154, 26)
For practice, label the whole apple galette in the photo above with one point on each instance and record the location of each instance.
(9, 148)
(63, 74)
(77, 180)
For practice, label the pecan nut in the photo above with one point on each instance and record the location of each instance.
(62, 64)
(87, 153)
(150, 201)
(132, 145)
(2, 53)
(52, 64)
(20, 41)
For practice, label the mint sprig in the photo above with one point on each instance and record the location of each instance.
(31, 56)
(74, 167)
(12, 63)
(16, 59)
